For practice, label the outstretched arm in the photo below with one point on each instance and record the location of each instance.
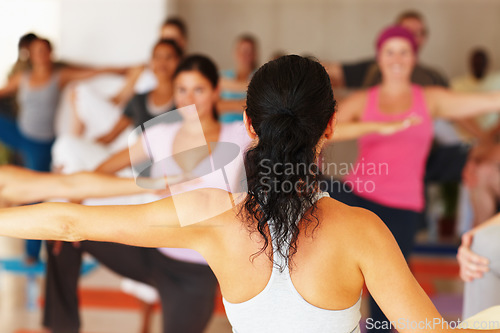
(72, 74)
(391, 283)
(124, 158)
(11, 87)
(22, 186)
(444, 103)
(349, 125)
(156, 224)
(119, 127)
(355, 130)
(127, 91)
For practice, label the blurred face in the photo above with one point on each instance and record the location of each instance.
(191, 87)
(418, 30)
(164, 61)
(24, 53)
(396, 58)
(171, 31)
(40, 53)
(245, 54)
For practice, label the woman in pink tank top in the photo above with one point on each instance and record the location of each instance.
(388, 176)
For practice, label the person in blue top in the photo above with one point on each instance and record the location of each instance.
(234, 82)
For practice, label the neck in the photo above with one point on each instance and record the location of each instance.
(164, 87)
(42, 69)
(208, 124)
(395, 87)
(243, 72)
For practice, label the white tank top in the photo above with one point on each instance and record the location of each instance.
(280, 308)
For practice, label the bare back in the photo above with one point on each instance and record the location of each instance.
(327, 253)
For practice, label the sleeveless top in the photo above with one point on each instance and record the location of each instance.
(232, 95)
(165, 133)
(280, 308)
(37, 108)
(390, 168)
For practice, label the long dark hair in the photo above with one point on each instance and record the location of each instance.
(289, 104)
(205, 67)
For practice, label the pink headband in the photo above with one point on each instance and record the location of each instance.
(396, 31)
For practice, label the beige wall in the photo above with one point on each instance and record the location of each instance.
(340, 29)
(97, 32)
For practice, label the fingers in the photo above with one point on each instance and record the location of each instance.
(472, 265)
(467, 239)
(414, 119)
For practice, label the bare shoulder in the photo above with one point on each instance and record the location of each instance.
(357, 97)
(432, 91)
(359, 223)
(352, 106)
(433, 95)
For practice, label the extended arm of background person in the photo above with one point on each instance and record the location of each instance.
(390, 281)
(472, 265)
(120, 125)
(128, 89)
(11, 86)
(124, 158)
(22, 186)
(355, 130)
(69, 74)
(349, 125)
(115, 162)
(451, 105)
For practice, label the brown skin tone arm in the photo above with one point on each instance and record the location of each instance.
(11, 87)
(390, 281)
(22, 186)
(73, 74)
(119, 127)
(349, 125)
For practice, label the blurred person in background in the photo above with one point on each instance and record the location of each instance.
(38, 90)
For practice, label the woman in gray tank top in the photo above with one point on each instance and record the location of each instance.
(287, 257)
(38, 92)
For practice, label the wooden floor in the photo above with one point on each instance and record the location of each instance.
(105, 309)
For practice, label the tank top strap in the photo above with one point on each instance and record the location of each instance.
(371, 108)
(25, 79)
(419, 104)
(55, 79)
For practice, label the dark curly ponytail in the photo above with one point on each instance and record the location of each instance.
(289, 104)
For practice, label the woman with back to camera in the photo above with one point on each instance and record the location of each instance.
(288, 259)
(394, 189)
